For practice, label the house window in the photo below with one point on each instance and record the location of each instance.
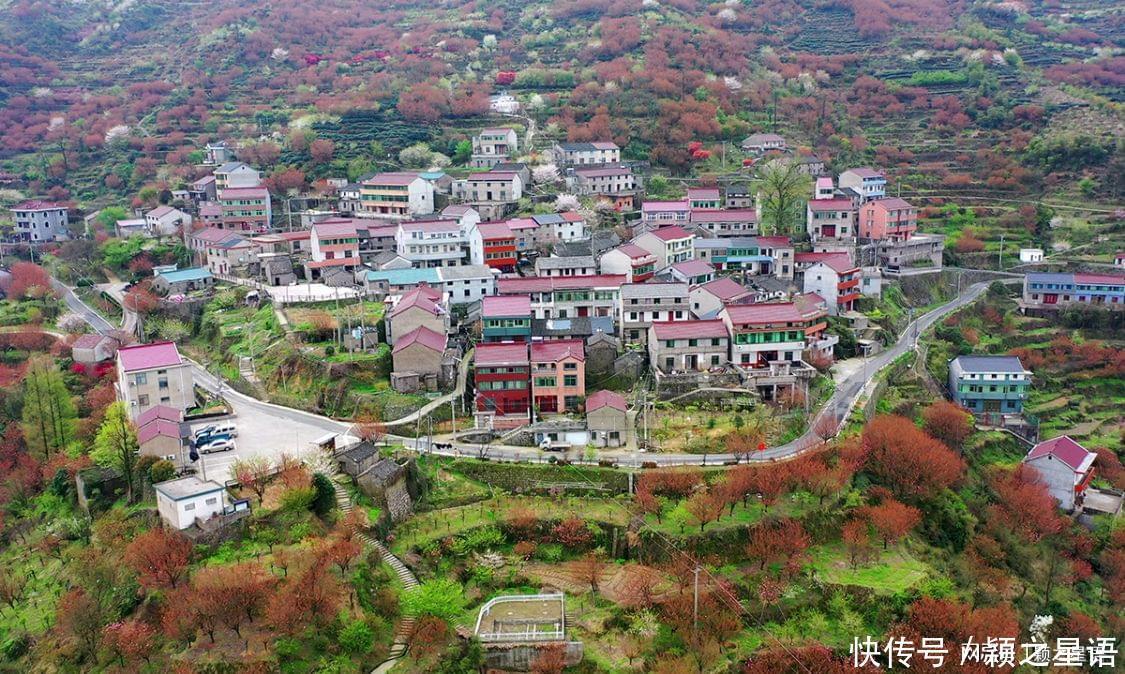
(142, 401)
(141, 379)
(162, 383)
(189, 506)
(570, 380)
(212, 501)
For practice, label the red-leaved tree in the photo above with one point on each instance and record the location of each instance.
(158, 557)
(908, 461)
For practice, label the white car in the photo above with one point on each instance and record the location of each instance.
(218, 445)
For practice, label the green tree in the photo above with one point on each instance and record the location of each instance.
(782, 188)
(325, 498)
(463, 151)
(359, 167)
(442, 598)
(109, 216)
(116, 446)
(355, 637)
(117, 253)
(48, 410)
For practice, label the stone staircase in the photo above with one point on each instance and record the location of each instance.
(406, 623)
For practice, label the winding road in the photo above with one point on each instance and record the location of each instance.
(281, 427)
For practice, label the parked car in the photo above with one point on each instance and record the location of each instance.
(217, 443)
(219, 428)
(554, 445)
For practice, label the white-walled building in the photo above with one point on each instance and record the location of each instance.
(153, 374)
(236, 174)
(40, 221)
(182, 501)
(669, 244)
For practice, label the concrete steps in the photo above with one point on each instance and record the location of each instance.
(405, 624)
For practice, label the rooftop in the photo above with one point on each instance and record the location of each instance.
(491, 231)
(487, 176)
(495, 354)
(421, 335)
(88, 341)
(1063, 448)
(423, 297)
(891, 204)
(726, 215)
(187, 487)
(703, 193)
(645, 290)
(530, 284)
(333, 230)
(634, 251)
(830, 204)
(671, 233)
(603, 172)
(772, 313)
(839, 264)
(503, 306)
(397, 179)
(1010, 364)
(694, 267)
(35, 205)
(556, 350)
(601, 399)
(244, 193)
(663, 206)
(162, 428)
(667, 330)
(149, 356)
(431, 226)
(865, 173)
(565, 262)
(180, 275)
(724, 288)
(403, 277)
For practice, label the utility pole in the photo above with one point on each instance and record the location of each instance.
(1001, 252)
(695, 600)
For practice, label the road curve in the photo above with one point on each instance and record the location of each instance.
(837, 408)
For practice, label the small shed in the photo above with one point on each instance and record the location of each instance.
(358, 458)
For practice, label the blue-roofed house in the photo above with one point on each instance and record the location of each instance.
(989, 384)
(463, 284)
(1048, 292)
(398, 281)
(182, 281)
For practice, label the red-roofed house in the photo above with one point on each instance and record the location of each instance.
(728, 223)
(494, 146)
(166, 221)
(417, 357)
(246, 208)
(708, 298)
(688, 346)
(692, 272)
(836, 279)
(210, 214)
(704, 198)
(894, 219)
(607, 419)
(669, 244)
(606, 181)
(422, 306)
(333, 244)
(831, 219)
(637, 264)
(93, 349)
(770, 333)
(558, 375)
(492, 193)
(163, 438)
(566, 296)
(396, 195)
(153, 374)
(1065, 466)
(493, 244)
(506, 318)
(502, 376)
(660, 213)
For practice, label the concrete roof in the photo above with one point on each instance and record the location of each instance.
(187, 487)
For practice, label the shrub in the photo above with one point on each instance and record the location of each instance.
(161, 470)
(325, 496)
(355, 637)
(296, 500)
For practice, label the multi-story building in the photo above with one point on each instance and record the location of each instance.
(506, 318)
(246, 208)
(567, 296)
(1048, 292)
(607, 419)
(217, 153)
(494, 244)
(669, 244)
(837, 281)
(492, 193)
(688, 346)
(760, 143)
(502, 379)
(333, 245)
(603, 180)
(166, 221)
(831, 219)
(580, 154)
(704, 199)
(417, 358)
(780, 248)
(210, 214)
(1065, 467)
(866, 182)
(566, 226)
(637, 264)
(692, 272)
(494, 146)
(432, 243)
(643, 304)
(894, 219)
(558, 375)
(422, 306)
(726, 223)
(460, 285)
(40, 221)
(989, 384)
(153, 374)
(396, 196)
(660, 213)
(920, 250)
(707, 299)
(581, 265)
(735, 254)
(235, 174)
(762, 334)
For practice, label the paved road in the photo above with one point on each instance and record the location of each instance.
(272, 429)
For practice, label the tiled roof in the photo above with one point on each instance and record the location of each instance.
(813, 258)
(334, 262)
(763, 138)
(159, 412)
(865, 172)
(724, 288)
(604, 145)
(839, 264)
(695, 267)
(456, 210)
(643, 290)
(149, 356)
(572, 216)
(403, 277)
(575, 261)
(1063, 448)
(556, 350)
(751, 314)
(830, 204)
(36, 205)
(488, 176)
(728, 215)
(690, 329)
(495, 354)
(159, 427)
(496, 130)
(421, 335)
(521, 223)
(703, 193)
(213, 235)
(1100, 279)
(333, 230)
(603, 172)
(519, 286)
(244, 193)
(295, 236)
(423, 297)
(398, 179)
(210, 208)
(775, 241)
(230, 166)
(663, 206)
(634, 251)
(1008, 364)
(505, 306)
(160, 211)
(891, 204)
(87, 341)
(431, 226)
(601, 399)
(491, 231)
(671, 233)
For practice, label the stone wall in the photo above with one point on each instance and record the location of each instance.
(518, 657)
